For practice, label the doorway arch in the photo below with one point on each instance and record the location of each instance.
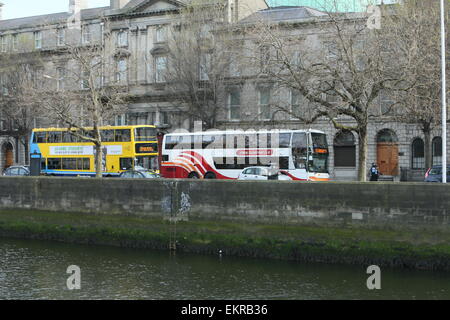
(387, 152)
(8, 155)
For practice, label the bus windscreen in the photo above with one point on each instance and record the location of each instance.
(145, 134)
(319, 140)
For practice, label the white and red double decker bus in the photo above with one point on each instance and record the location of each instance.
(299, 154)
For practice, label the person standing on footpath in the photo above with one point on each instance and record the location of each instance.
(374, 173)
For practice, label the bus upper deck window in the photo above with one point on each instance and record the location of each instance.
(299, 140)
(40, 137)
(107, 135)
(123, 135)
(55, 137)
(284, 140)
(206, 141)
(145, 134)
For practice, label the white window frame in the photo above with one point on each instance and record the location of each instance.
(15, 41)
(384, 99)
(235, 106)
(161, 34)
(60, 78)
(120, 120)
(61, 37)
(294, 93)
(84, 80)
(4, 42)
(261, 106)
(86, 34)
(121, 75)
(122, 38)
(3, 84)
(159, 72)
(38, 39)
(205, 65)
(102, 32)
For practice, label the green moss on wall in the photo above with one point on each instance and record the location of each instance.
(427, 250)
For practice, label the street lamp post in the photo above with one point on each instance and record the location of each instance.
(444, 97)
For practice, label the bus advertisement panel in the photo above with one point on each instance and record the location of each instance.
(300, 154)
(62, 153)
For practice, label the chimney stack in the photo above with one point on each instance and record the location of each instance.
(76, 6)
(118, 4)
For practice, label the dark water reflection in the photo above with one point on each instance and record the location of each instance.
(37, 270)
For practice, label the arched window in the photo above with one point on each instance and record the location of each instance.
(437, 151)
(386, 136)
(344, 149)
(418, 154)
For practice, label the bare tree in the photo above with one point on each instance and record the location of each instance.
(414, 29)
(201, 53)
(341, 72)
(19, 96)
(88, 94)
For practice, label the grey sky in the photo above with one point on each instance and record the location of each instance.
(25, 8)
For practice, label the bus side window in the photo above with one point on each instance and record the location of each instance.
(172, 142)
(186, 142)
(43, 164)
(206, 141)
(126, 163)
(86, 164)
(54, 164)
(284, 163)
(66, 137)
(285, 140)
(299, 150)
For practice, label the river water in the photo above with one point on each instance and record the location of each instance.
(38, 270)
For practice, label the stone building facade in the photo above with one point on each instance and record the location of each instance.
(134, 33)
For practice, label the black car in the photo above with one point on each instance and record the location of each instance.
(434, 174)
(17, 171)
(139, 174)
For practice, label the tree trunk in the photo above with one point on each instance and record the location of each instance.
(98, 161)
(428, 149)
(362, 163)
(26, 149)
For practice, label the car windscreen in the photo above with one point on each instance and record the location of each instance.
(148, 174)
(438, 171)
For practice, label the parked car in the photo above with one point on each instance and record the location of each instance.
(17, 171)
(262, 173)
(434, 174)
(139, 174)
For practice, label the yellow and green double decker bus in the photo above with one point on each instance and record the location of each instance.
(58, 152)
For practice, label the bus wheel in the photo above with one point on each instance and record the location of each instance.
(210, 175)
(193, 175)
